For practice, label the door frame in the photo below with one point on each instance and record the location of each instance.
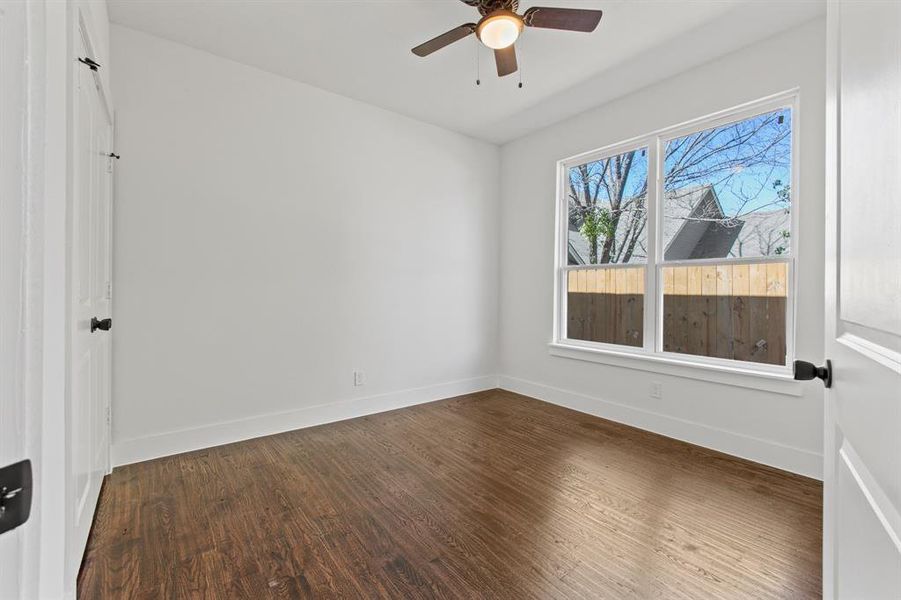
(20, 301)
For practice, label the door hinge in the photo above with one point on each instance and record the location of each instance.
(109, 416)
(91, 63)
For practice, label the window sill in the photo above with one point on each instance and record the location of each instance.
(767, 381)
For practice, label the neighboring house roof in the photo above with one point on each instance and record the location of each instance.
(695, 226)
(575, 249)
(763, 233)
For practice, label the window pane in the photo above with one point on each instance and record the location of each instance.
(734, 311)
(607, 213)
(606, 305)
(727, 190)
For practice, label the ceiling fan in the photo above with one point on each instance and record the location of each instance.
(500, 27)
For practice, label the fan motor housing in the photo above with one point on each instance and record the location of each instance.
(486, 7)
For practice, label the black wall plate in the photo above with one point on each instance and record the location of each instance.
(15, 495)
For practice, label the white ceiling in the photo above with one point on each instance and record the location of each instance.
(361, 49)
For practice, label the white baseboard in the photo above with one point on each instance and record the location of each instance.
(795, 460)
(125, 452)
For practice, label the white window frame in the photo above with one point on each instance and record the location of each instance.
(651, 356)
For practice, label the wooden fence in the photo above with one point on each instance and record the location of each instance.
(735, 311)
(606, 305)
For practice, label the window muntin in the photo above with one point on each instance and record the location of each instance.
(702, 297)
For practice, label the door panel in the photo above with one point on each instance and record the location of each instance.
(870, 285)
(862, 527)
(863, 533)
(90, 261)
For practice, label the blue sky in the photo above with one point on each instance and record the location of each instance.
(746, 176)
(743, 161)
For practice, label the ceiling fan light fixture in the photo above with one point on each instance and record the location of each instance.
(500, 29)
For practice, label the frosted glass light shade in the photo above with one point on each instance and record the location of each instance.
(499, 30)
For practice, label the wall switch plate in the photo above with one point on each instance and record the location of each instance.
(656, 390)
(358, 378)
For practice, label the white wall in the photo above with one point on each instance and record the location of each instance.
(781, 430)
(270, 238)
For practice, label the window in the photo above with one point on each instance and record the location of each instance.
(680, 242)
(607, 225)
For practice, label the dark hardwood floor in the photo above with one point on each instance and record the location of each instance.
(492, 495)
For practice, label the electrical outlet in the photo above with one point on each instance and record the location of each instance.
(656, 389)
(358, 378)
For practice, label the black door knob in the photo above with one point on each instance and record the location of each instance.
(104, 324)
(805, 370)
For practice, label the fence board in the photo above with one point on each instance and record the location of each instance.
(758, 280)
(723, 311)
(777, 308)
(667, 280)
(741, 317)
(726, 311)
(668, 328)
(758, 314)
(777, 279)
(777, 289)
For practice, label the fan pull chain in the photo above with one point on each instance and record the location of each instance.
(519, 71)
(478, 65)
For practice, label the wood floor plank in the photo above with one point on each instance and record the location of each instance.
(490, 495)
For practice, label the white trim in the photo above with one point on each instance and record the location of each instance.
(653, 305)
(207, 436)
(652, 349)
(726, 260)
(739, 374)
(767, 452)
(785, 99)
(590, 267)
(52, 473)
(875, 352)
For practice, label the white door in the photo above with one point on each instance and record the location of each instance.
(862, 478)
(90, 293)
(12, 409)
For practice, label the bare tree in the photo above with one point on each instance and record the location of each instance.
(607, 198)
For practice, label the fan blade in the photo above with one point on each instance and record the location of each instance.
(568, 19)
(506, 60)
(445, 39)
